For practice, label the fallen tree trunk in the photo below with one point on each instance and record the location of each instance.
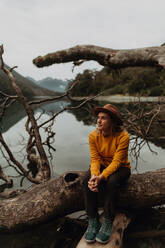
(150, 56)
(64, 195)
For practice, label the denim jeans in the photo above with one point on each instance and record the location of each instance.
(107, 193)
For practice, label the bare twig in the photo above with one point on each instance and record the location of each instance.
(15, 161)
(69, 108)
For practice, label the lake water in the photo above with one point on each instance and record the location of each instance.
(71, 143)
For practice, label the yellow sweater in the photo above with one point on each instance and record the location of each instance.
(111, 152)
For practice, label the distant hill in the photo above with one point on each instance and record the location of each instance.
(134, 81)
(54, 84)
(31, 79)
(28, 87)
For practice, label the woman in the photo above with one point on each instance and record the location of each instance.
(109, 168)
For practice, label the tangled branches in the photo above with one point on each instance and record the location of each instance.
(142, 120)
(38, 161)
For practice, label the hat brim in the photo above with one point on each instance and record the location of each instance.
(97, 110)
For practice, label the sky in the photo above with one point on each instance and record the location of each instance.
(29, 28)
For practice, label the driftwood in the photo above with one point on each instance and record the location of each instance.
(62, 196)
(120, 223)
(150, 56)
(4, 177)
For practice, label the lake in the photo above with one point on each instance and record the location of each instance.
(71, 144)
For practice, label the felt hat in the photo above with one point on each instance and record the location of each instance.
(111, 110)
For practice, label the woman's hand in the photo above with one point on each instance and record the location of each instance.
(94, 182)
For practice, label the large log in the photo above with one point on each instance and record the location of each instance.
(150, 56)
(62, 196)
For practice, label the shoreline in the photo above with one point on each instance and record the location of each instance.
(125, 99)
(120, 98)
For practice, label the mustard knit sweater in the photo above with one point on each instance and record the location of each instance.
(111, 152)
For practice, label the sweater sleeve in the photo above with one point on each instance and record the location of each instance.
(95, 157)
(119, 158)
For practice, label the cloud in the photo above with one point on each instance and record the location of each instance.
(37, 27)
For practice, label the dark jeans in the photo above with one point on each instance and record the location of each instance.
(107, 194)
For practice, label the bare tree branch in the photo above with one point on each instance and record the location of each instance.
(29, 111)
(15, 161)
(6, 95)
(4, 177)
(150, 56)
(69, 108)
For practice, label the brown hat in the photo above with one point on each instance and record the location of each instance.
(111, 110)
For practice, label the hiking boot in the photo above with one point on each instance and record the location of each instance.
(103, 235)
(92, 229)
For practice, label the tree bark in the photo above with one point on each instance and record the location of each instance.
(4, 177)
(149, 56)
(62, 196)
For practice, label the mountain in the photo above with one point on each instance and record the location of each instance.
(28, 87)
(31, 79)
(54, 84)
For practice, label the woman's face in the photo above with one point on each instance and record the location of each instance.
(104, 122)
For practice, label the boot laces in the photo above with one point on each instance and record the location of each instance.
(106, 225)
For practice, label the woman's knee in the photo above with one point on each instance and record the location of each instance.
(112, 181)
(119, 177)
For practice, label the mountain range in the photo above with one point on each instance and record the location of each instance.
(53, 84)
(28, 86)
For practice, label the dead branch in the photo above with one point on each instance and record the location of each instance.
(5, 177)
(56, 98)
(150, 56)
(5, 105)
(9, 163)
(141, 121)
(69, 108)
(6, 95)
(29, 111)
(45, 100)
(21, 168)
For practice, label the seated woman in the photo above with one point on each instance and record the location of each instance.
(109, 168)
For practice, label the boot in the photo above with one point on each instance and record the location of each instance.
(92, 229)
(104, 233)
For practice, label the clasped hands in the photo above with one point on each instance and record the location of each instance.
(94, 182)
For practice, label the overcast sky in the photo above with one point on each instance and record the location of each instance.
(29, 28)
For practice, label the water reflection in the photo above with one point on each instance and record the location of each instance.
(12, 115)
(156, 132)
(71, 140)
(16, 113)
(53, 107)
(72, 153)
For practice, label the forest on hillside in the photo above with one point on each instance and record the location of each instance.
(137, 81)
